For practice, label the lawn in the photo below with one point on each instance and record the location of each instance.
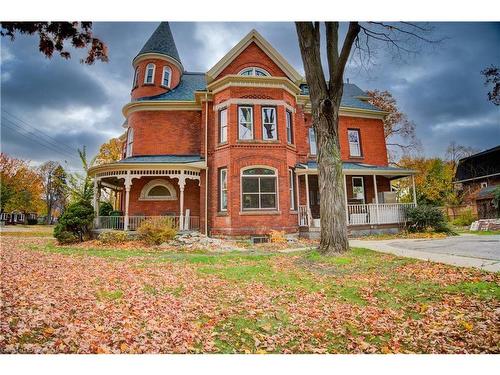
(93, 300)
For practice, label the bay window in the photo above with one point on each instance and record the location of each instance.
(259, 189)
(292, 187)
(354, 142)
(245, 122)
(223, 189)
(289, 127)
(223, 125)
(269, 131)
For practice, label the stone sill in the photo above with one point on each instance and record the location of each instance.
(259, 212)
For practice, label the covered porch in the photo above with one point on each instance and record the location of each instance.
(369, 200)
(149, 187)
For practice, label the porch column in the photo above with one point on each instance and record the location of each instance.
(97, 198)
(376, 198)
(182, 184)
(128, 185)
(414, 191)
(297, 192)
(345, 199)
(308, 208)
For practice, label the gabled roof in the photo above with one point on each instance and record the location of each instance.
(255, 37)
(185, 90)
(162, 42)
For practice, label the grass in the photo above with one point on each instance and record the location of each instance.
(485, 232)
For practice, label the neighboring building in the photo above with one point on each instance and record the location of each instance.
(477, 176)
(232, 151)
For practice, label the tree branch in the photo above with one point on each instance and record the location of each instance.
(332, 48)
(338, 75)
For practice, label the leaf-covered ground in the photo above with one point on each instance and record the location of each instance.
(84, 300)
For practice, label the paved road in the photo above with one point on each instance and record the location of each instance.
(466, 250)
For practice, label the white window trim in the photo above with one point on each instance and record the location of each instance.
(221, 189)
(219, 135)
(146, 74)
(130, 142)
(362, 185)
(358, 144)
(254, 69)
(158, 182)
(289, 125)
(263, 175)
(166, 68)
(311, 129)
(292, 189)
(252, 122)
(275, 138)
(136, 78)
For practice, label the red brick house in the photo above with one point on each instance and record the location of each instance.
(231, 151)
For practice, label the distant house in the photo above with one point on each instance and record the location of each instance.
(477, 176)
(232, 151)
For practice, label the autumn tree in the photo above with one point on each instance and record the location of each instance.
(399, 131)
(53, 36)
(20, 186)
(455, 152)
(80, 184)
(492, 77)
(325, 92)
(54, 187)
(109, 152)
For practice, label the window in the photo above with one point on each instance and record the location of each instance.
(223, 125)
(358, 189)
(223, 189)
(269, 123)
(312, 142)
(293, 194)
(258, 189)
(289, 127)
(354, 142)
(136, 77)
(245, 123)
(484, 184)
(150, 73)
(167, 73)
(130, 142)
(158, 190)
(254, 71)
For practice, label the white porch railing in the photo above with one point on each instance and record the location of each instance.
(363, 214)
(118, 222)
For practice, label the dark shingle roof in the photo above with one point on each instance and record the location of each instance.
(486, 192)
(162, 159)
(161, 41)
(482, 164)
(190, 82)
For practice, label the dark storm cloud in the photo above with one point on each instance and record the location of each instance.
(439, 88)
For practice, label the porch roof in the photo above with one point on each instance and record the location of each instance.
(177, 159)
(350, 168)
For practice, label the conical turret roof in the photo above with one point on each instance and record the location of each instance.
(161, 41)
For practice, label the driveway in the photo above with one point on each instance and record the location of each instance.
(468, 250)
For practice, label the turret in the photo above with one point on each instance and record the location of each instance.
(157, 66)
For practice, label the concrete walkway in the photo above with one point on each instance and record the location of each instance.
(468, 250)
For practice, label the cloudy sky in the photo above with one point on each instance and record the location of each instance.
(440, 88)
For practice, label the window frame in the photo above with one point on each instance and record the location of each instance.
(221, 189)
(309, 132)
(259, 193)
(225, 110)
(289, 126)
(165, 69)
(362, 185)
(252, 122)
(292, 189)
(130, 143)
(144, 195)
(254, 69)
(274, 108)
(135, 83)
(358, 131)
(152, 76)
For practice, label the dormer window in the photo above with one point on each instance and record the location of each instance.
(150, 73)
(254, 71)
(167, 73)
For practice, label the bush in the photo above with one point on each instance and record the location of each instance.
(276, 236)
(424, 218)
(105, 209)
(466, 218)
(77, 221)
(114, 236)
(116, 213)
(155, 231)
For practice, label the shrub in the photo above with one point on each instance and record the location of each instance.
(116, 213)
(155, 231)
(276, 236)
(424, 217)
(466, 218)
(113, 236)
(105, 209)
(77, 221)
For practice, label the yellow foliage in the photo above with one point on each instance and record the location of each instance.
(276, 236)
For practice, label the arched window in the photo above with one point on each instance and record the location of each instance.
(130, 142)
(254, 71)
(136, 78)
(149, 76)
(158, 190)
(259, 187)
(167, 73)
